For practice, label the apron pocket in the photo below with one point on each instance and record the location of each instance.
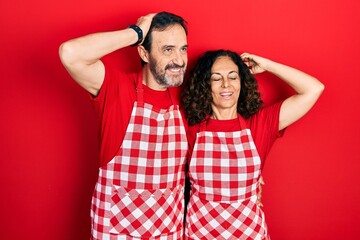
(146, 213)
(238, 219)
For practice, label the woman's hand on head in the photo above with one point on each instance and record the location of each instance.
(255, 63)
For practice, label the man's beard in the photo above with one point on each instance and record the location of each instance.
(165, 80)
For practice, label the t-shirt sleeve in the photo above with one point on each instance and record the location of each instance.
(113, 106)
(107, 90)
(264, 126)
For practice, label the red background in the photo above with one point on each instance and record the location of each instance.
(48, 133)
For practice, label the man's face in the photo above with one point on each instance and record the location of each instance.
(168, 56)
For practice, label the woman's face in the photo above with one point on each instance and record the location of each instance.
(225, 84)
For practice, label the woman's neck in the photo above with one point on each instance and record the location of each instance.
(224, 114)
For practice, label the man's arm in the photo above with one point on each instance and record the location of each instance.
(81, 56)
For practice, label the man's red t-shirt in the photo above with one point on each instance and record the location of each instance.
(114, 105)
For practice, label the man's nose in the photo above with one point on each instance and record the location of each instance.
(179, 58)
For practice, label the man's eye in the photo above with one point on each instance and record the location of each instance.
(184, 49)
(215, 79)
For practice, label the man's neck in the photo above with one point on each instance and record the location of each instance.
(149, 81)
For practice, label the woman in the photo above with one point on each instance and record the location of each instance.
(230, 135)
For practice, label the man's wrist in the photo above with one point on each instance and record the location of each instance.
(139, 32)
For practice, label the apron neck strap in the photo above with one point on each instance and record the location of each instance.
(140, 91)
(241, 120)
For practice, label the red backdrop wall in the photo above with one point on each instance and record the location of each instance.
(48, 131)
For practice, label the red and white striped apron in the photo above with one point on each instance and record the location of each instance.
(224, 171)
(139, 193)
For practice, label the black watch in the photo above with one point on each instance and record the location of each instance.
(139, 32)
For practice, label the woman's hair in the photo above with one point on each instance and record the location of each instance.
(197, 99)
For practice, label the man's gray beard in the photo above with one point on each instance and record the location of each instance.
(164, 80)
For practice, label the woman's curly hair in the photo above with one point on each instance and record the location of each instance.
(196, 97)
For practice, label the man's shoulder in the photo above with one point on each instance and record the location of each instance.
(120, 77)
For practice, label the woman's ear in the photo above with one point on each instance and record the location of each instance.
(143, 53)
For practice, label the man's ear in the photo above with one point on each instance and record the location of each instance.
(143, 53)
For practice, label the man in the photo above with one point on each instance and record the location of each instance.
(139, 192)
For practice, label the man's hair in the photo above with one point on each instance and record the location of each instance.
(161, 22)
(196, 98)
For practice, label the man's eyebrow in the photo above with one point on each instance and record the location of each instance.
(173, 46)
(167, 46)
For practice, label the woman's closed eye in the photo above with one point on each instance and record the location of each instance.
(233, 76)
(216, 79)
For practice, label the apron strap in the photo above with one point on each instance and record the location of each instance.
(140, 91)
(203, 123)
(241, 120)
(170, 95)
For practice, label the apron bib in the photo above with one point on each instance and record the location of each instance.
(139, 193)
(224, 171)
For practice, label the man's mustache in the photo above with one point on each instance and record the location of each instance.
(174, 66)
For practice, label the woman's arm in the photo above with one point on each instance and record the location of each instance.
(308, 89)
